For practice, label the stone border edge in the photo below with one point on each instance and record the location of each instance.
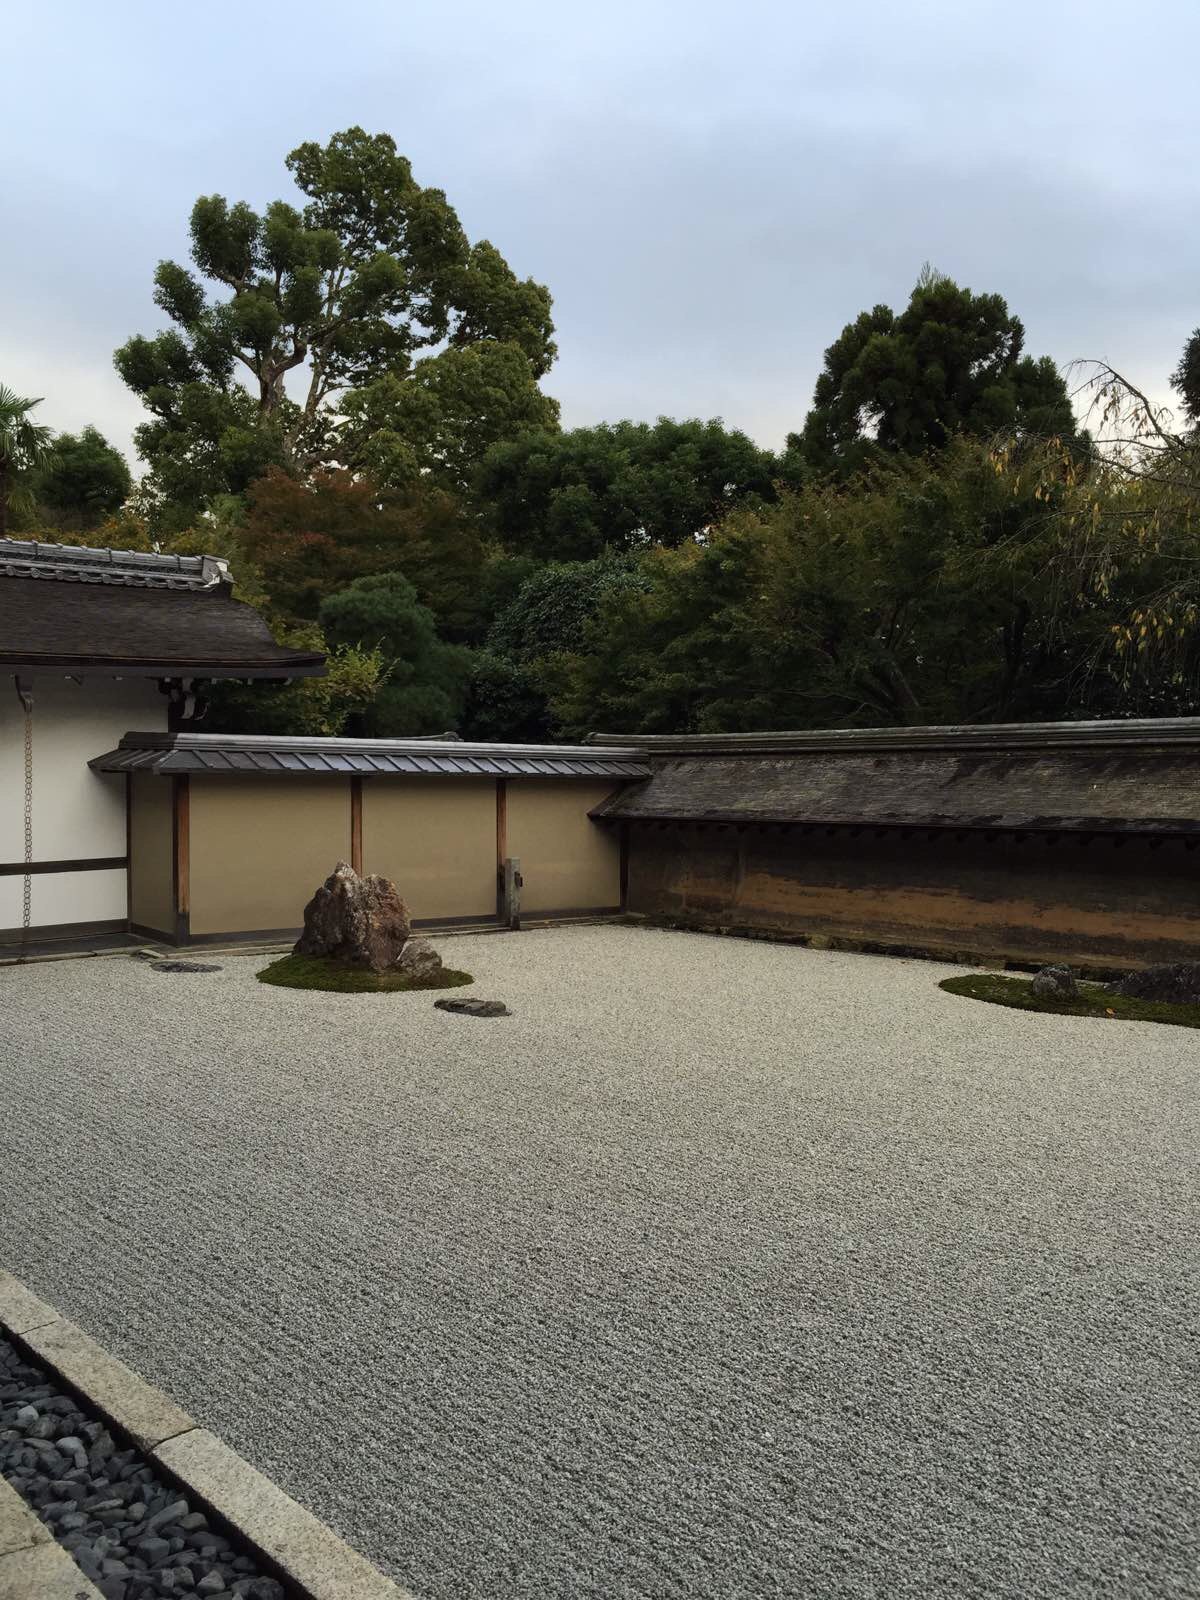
(288, 1539)
(31, 1562)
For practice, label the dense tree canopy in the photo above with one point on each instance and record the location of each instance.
(439, 422)
(425, 679)
(84, 481)
(339, 294)
(970, 587)
(546, 616)
(555, 603)
(619, 486)
(311, 539)
(951, 363)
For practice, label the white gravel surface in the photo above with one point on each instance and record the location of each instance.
(721, 1269)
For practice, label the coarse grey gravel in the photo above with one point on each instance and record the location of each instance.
(721, 1269)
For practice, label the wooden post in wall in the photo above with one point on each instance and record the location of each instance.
(501, 842)
(356, 855)
(181, 857)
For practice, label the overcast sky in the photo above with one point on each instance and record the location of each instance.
(710, 190)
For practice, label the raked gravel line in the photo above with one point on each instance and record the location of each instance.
(721, 1269)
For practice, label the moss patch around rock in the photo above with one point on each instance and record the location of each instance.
(318, 972)
(1093, 1000)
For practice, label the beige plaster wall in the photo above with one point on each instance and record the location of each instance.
(260, 846)
(436, 839)
(568, 863)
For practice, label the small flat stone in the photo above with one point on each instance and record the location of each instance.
(474, 1008)
(184, 966)
(26, 1417)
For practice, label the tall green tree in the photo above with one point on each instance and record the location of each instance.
(86, 480)
(330, 297)
(436, 423)
(552, 607)
(426, 678)
(26, 447)
(950, 363)
(619, 486)
(545, 617)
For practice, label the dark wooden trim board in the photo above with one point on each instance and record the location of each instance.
(448, 924)
(564, 912)
(18, 869)
(61, 932)
(356, 850)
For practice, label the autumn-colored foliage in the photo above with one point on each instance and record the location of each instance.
(310, 540)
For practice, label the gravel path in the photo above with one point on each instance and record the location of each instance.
(721, 1269)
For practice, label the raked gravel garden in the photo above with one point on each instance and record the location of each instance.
(718, 1268)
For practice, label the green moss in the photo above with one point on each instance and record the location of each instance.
(317, 972)
(1091, 1001)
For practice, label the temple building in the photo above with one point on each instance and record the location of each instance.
(93, 643)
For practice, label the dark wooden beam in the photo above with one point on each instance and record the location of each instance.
(22, 869)
(356, 851)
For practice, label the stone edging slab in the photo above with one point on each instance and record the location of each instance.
(305, 1552)
(31, 1563)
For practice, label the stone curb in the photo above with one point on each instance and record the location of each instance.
(31, 1563)
(300, 1548)
(144, 1413)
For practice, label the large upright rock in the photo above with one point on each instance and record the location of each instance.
(359, 920)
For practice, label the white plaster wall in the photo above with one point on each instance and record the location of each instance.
(64, 897)
(77, 813)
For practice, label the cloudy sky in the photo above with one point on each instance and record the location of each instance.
(710, 190)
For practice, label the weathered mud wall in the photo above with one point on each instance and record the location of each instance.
(1101, 900)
